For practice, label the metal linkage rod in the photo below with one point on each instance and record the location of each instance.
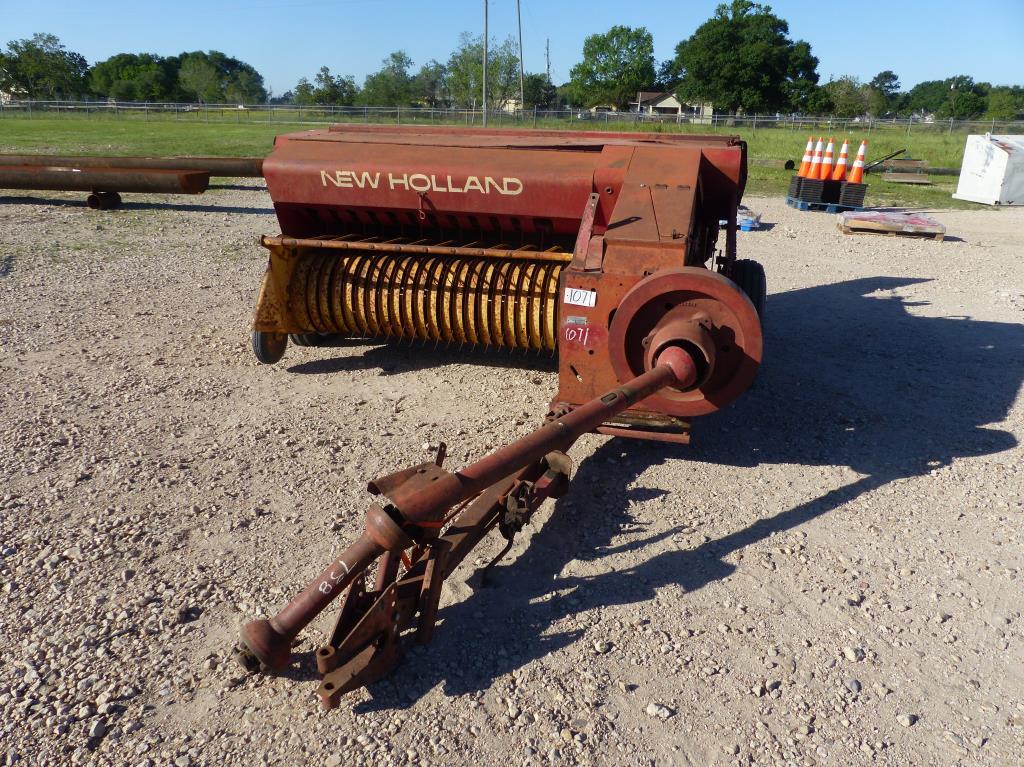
(425, 494)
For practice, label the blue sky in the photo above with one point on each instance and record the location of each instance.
(288, 39)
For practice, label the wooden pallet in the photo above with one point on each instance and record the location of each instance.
(906, 165)
(906, 171)
(891, 224)
(827, 207)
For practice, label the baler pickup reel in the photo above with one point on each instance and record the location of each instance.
(604, 247)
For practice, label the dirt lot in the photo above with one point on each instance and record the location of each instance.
(831, 574)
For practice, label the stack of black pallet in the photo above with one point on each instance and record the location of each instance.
(815, 191)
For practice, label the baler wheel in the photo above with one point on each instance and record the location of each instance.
(749, 275)
(269, 347)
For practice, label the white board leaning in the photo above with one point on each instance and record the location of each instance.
(993, 170)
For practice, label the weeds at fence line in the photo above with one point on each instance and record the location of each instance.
(299, 114)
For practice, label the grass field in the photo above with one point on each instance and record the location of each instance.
(191, 135)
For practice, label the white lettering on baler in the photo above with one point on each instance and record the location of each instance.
(422, 182)
(350, 178)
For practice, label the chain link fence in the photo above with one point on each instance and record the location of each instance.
(326, 114)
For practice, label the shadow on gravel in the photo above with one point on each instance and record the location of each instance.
(852, 378)
(129, 205)
(404, 357)
(194, 208)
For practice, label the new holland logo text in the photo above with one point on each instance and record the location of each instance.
(421, 182)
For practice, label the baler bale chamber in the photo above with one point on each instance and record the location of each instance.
(608, 249)
(528, 240)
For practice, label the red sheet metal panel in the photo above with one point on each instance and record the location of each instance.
(349, 178)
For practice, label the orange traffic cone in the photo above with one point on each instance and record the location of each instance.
(857, 171)
(839, 174)
(815, 168)
(825, 171)
(805, 164)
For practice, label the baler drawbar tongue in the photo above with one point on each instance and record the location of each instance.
(416, 530)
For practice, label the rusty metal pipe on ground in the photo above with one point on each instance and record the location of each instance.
(226, 167)
(393, 528)
(70, 179)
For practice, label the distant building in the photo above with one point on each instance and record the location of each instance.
(659, 103)
(7, 97)
(655, 103)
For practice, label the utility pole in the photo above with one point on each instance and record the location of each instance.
(485, 66)
(547, 57)
(522, 97)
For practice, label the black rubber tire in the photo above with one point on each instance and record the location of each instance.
(315, 339)
(269, 347)
(749, 275)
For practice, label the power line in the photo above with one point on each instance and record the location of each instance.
(485, 66)
(522, 96)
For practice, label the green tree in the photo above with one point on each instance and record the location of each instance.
(199, 78)
(539, 91)
(340, 90)
(848, 95)
(1004, 103)
(566, 95)
(615, 66)
(875, 102)
(42, 68)
(965, 98)
(927, 96)
(213, 77)
(742, 59)
(887, 83)
(882, 93)
(802, 83)
(465, 72)
(819, 102)
(668, 76)
(245, 87)
(134, 77)
(391, 85)
(430, 86)
(304, 94)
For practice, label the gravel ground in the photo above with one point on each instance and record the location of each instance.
(830, 574)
